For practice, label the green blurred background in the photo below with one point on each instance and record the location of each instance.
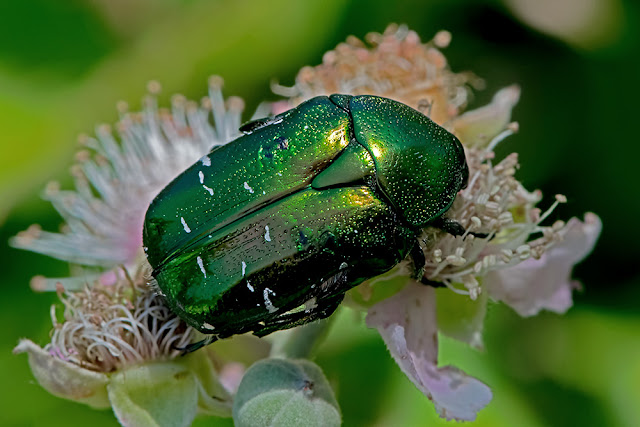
(63, 66)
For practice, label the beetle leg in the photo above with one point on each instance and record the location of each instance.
(449, 226)
(417, 257)
(323, 309)
(254, 125)
(190, 348)
(431, 283)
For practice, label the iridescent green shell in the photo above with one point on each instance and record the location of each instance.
(269, 231)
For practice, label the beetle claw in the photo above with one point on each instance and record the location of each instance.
(449, 226)
(455, 228)
(431, 283)
(480, 235)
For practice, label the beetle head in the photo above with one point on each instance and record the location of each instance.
(420, 167)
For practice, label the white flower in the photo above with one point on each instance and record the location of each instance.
(545, 283)
(117, 347)
(395, 65)
(510, 264)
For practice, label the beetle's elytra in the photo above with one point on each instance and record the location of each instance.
(270, 230)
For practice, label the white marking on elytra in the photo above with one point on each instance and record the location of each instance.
(267, 237)
(208, 326)
(209, 189)
(184, 224)
(267, 302)
(310, 305)
(250, 287)
(244, 268)
(206, 161)
(248, 187)
(201, 176)
(201, 265)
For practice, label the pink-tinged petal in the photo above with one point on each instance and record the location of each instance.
(544, 284)
(231, 376)
(279, 107)
(407, 324)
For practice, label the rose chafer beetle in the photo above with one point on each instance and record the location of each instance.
(269, 231)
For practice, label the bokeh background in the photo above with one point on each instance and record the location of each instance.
(63, 66)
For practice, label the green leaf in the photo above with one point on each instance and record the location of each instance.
(285, 393)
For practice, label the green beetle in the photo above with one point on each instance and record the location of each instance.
(269, 231)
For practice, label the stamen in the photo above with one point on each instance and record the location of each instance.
(102, 334)
(559, 199)
(500, 137)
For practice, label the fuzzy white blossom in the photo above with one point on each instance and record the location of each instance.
(116, 177)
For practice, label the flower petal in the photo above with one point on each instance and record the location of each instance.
(537, 284)
(407, 324)
(478, 127)
(64, 379)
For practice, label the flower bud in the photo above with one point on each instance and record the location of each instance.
(285, 393)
